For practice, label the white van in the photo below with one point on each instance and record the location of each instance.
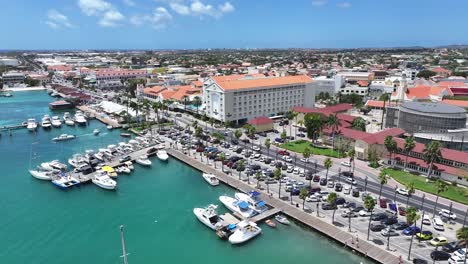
(438, 224)
(426, 220)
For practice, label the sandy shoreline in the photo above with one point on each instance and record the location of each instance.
(19, 89)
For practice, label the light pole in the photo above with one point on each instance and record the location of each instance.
(365, 185)
(339, 174)
(349, 220)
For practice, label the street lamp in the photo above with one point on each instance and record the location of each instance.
(339, 174)
(365, 185)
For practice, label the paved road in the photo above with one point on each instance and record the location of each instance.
(372, 186)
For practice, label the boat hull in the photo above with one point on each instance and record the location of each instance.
(40, 175)
(230, 204)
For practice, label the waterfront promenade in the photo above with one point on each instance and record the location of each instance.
(95, 114)
(317, 223)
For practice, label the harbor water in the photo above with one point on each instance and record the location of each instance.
(40, 223)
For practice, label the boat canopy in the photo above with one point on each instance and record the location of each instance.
(261, 204)
(108, 169)
(243, 205)
(254, 193)
(231, 226)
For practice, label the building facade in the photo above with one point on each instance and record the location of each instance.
(240, 98)
(13, 78)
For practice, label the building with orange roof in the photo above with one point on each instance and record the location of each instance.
(460, 103)
(244, 97)
(176, 93)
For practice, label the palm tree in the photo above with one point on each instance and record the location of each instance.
(412, 217)
(197, 102)
(195, 124)
(334, 123)
(156, 106)
(258, 176)
(331, 199)
(185, 99)
(385, 97)
(290, 115)
(222, 158)
(268, 145)
(441, 187)
(391, 147)
(278, 176)
(284, 136)
(431, 154)
(462, 236)
(382, 180)
(369, 204)
(351, 155)
(306, 154)
(409, 146)
(238, 134)
(359, 124)
(411, 190)
(303, 194)
(240, 166)
(327, 163)
(198, 132)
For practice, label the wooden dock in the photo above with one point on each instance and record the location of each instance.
(351, 240)
(94, 114)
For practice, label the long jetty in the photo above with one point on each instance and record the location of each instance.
(346, 238)
(93, 113)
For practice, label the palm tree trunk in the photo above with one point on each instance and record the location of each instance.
(326, 175)
(303, 204)
(279, 189)
(333, 216)
(380, 192)
(368, 227)
(435, 205)
(411, 242)
(407, 200)
(406, 161)
(268, 188)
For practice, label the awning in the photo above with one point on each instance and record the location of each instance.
(243, 205)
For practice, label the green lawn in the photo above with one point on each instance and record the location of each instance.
(453, 193)
(300, 145)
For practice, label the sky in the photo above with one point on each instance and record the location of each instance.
(193, 24)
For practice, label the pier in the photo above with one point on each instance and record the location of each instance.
(343, 237)
(94, 114)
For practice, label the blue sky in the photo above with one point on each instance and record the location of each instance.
(190, 24)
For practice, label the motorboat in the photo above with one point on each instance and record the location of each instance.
(77, 161)
(125, 134)
(237, 206)
(31, 124)
(253, 198)
(245, 231)
(56, 122)
(211, 179)
(99, 156)
(53, 165)
(106, 152)
(109, 171)
(123, 169)
(143, 160)
(104, 182)
(209, 217)
(42, 175)
(129, 165)
(110, 127)
(46, 122)
(80, 118)
(64, 137)
(282, 219)
(65, 182)
(96, 132)
(162, 155)
(270, 223)
(68, 119)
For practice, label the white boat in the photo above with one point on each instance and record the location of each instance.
(80, 118)
(162, 155)
(110, 127)
(68, 119)
(253, 198)
(240, 207)
(209, 216)
(53, 165)
(56, 122)
(104, 182)
(129, 165)
(282, 219)
(63, 137)
(31, 124)
(46, 122)
(123, 169)
(41, 175)
(245, 231)
(65, 182)
(77, 161)
(106, 152)
(96, 132)
(143, 160)
(211, 179)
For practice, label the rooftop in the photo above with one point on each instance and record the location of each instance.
(433, 107)
(248, 81)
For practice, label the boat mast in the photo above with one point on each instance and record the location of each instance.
(122, 239)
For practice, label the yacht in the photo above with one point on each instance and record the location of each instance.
(162, 155)
(65, 182)
(237, 206)
(282, 219)
(31, 124)
(53, 165)
(42, 175)
(106, 153)
(63, 137)
(211, 179)
(77, 161)
(104, 182)
(46, 122)
(123, 169)
(56, 122)
(80, 118)
(245, 231)
(209, 216)
(143, 160)
(253, 198)
(68, 119)
(129, 165)
(96, 132)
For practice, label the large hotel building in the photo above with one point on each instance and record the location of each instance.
(240, 98)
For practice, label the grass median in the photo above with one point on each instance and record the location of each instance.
(454, 193)
(299, 146)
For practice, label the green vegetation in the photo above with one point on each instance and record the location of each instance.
(300, 145)
(453, 192)
(425, 74)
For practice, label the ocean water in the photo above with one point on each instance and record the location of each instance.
(40, 223)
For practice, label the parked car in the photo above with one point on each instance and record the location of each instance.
(326, 206)
(402, 211)
(400, 225)
(452, 246)
(331, 183)
(447, 214)
(438, 224)
(377, 227)
(356, 192)
(440, 255)
(351, 181)
(349, 214)
(347, 189)
(383, 203)
(402, 191)
(338, 187)
(340, 201)
(323, 182)
(364, 213)
(313, 198)
(419, 261)
(347, 173)
(279, 140)
(316, 178)
(411, 230)
(388, 232)
(424, 235)
(439, 241)
(346, 163)
(379, 217)
(389, 221)
(301, 135)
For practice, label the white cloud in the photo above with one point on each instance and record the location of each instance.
(319, 3)
(108, 15)
(198, 8)
(129, 2)
(57, 20)
(159, 19)
(344, 5)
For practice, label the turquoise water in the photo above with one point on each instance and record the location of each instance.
(41, 224)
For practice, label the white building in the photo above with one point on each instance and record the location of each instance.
(328, 85)
(350, 89)
(13, 78)
(9, 62)
(356, 76)
(243, 97)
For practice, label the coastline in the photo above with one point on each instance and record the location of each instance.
(20, 89)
